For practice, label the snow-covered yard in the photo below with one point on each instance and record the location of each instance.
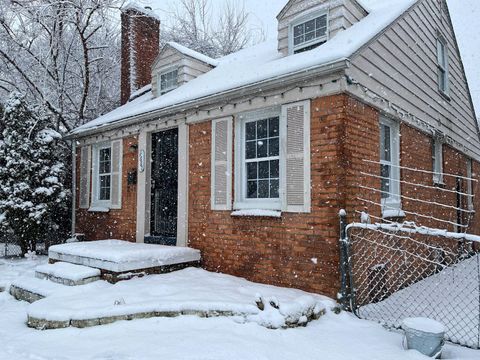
(339, 337)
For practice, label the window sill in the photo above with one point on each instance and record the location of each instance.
(100, 209)
(445, 95)
(257, 213)
(439, 184)
(393, 213)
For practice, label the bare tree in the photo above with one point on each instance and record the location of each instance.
(196, 26)
(63, 54)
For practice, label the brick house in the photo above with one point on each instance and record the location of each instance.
(250, 157)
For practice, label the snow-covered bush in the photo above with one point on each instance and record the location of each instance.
(33, 198)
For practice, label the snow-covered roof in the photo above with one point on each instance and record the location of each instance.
(143, 10)
(192, 53)
(260, 63)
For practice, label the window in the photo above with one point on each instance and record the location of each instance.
(389, 164)
(437, 161)
(168, 81)
(442, 57)
(309, 33)
(262, 158)
(469, 185)
(104, 173)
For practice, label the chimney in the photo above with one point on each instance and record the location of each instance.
(140, 47)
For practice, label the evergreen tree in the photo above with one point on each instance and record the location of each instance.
(32, 196)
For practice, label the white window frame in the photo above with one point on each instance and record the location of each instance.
(313, 15)
(393, 201)
(437, 161)
(470, 185)
(241, 201)
(164, 72)
(96, 202)
(442, 64)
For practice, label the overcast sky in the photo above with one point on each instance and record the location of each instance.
(465, 16)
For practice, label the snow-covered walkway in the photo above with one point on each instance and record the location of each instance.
(336, 337)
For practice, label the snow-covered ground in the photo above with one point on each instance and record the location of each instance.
(451, 297)
(339, 337)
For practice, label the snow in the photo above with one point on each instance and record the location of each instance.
(191, 289)
(392, 213)
(192, 53)
(134, 6)
(68, 271)
(140, 92)
(258, 64)
(423, 324)
(257, 213)
(333, 337)
(120, 256)
(101, 209)
(410, 227)
(38, 286)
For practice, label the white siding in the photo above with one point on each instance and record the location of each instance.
(401, 67)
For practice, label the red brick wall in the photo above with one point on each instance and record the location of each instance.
(280, 251)
(146, 33)
(416, 153)
(116, 224)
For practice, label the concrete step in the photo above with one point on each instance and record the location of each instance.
(67, 274)
(33, 289)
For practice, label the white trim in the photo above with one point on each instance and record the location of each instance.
(118, 173)
(442, 44)
(470, 201)
(96, 202)
(393, 202)
(315, 13)
(241, 202)
(228, 205)
(143, 181)
(183, 170)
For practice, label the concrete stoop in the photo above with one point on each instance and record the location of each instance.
(33, 289)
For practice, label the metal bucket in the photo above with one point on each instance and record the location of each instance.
(424, 335)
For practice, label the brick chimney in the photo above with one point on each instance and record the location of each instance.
(140, 47)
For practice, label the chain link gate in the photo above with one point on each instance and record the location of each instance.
(394, 271)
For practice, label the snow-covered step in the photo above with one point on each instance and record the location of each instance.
(33, 289)
(67, 274)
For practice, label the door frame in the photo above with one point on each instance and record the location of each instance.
(144, 181)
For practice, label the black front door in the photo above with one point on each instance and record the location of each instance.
(164, 188)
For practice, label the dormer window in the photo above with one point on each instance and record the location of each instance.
(308, 33)
(168, 81)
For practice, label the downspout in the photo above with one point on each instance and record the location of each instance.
(74, 184)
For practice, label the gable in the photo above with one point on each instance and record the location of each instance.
(341, 15)
(398, 73)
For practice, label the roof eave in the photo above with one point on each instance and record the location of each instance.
(265, 85)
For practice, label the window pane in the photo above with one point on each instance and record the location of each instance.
(274, 169)
(321, 22)
(250, 130)
(310, 26)
(104, 188)
(385, 143)
(252, 171)
(385, 174)
(263, 189)
(299, 40)
(252, 189)
(262, 150)
(273, 127)
(273, 147)
(263, 170)
(274, 186)
(250, 152)
(309, 36)
(262, 129)
(298, 30)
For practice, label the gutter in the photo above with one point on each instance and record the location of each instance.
(265, 85)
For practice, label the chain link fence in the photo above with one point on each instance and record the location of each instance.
(394, 271)
(10, 244)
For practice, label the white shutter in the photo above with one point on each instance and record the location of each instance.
(221, 173)
(85, 171)
(296, 157)
(117, 158)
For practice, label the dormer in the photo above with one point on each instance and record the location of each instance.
(176, 65)
(306, 24)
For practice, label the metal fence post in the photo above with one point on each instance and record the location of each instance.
(343, 296)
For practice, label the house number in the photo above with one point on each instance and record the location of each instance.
(141, 161)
